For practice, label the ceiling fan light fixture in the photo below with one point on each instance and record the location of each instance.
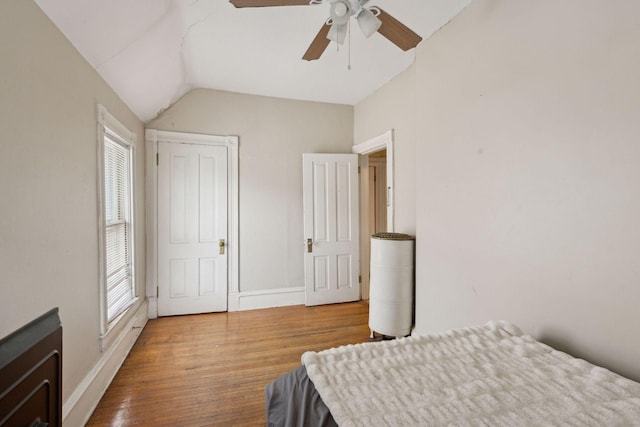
(337, 33)
(340, 12)
(369, 23)
(341, 9)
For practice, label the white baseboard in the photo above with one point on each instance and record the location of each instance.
(251, 300)
(153, 307)
(84, 399)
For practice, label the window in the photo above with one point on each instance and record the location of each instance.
(116, 160)
(117, 212)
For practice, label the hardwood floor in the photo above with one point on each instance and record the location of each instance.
(211, 369)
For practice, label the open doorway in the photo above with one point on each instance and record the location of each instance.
(375, 162)
(376, 208)
(378, 192)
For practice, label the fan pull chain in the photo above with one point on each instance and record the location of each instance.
(349, 48)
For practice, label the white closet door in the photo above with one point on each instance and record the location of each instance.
(192, 228)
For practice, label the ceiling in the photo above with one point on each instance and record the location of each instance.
(152, 52)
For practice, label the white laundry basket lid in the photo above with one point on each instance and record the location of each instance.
(392, 236)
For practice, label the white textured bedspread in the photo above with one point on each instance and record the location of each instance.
(490, 375)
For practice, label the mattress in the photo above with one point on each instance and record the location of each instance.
(490, 375)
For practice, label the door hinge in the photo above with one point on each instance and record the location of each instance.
(157, 291)
(360, 279)
(358, 169)
(157, 159)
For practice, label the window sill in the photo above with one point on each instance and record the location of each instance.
(117, 325)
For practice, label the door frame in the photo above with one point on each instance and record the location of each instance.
(152, 138)
(380, 142)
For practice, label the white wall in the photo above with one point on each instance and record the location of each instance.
(273, 134)
(48, 226)
(527, 194)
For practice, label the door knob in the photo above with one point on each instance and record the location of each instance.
(309, 245)
(221, 246)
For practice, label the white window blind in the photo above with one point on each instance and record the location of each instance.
(118, 228)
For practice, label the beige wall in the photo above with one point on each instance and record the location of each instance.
(393, 107)
(528, 203)
(522, 158)
(273, 134)
(48, 226)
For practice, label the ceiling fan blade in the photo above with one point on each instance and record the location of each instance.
(397, 33)
(268, 3)
(318, 45)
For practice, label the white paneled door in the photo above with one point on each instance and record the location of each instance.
(330, 187)
(192, 228)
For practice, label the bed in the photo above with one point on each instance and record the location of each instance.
(489, 375)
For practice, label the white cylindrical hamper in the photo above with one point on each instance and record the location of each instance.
(391, 284)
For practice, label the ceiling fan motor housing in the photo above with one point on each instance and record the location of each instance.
(342, 10)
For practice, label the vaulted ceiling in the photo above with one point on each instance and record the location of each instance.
(152, 52)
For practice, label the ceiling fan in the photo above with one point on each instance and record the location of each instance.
(370, 20)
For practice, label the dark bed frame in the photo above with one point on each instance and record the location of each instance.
(31, 374)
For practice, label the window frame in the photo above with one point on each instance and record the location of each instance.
(109, 126)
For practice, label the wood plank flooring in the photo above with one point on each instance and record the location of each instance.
(211, 369)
